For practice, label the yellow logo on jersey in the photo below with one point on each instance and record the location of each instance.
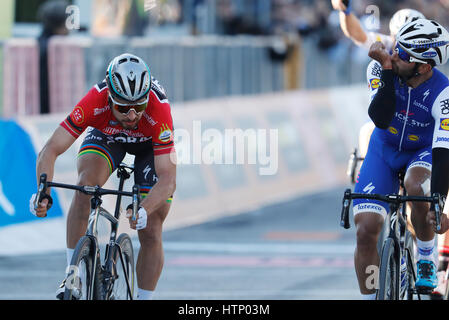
(376, 84)
(166, 133)
(444, 124)
(393, 130)
(412, 137)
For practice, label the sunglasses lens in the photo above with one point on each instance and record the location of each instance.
(140, 107)
(402, 54)
(125, 109)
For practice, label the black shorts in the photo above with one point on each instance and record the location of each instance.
(113, 150)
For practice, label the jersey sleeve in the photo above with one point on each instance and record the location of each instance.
(373, 74)
(82, 116)
(163, 131)
(440, 112)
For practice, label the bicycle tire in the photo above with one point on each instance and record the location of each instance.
(410, 261)
(388, 272)
(446, 292)
(81, 269)
(120, 289)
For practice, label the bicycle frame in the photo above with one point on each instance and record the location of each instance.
(398, 223)
(96, 210)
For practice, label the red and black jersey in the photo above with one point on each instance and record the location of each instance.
(94, 111)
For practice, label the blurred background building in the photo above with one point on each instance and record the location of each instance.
(196, 48)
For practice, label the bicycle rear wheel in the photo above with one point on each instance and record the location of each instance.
(123, 288)
(388, 272)
(81, 273)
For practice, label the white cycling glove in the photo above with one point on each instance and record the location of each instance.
(141, 218)
(32, 200)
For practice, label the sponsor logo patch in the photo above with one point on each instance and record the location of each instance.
(376, 84)
(429, 54)
(413, 137)
(442, 139)
(444, 106)
(166, 134)
(444, 124)
(393, 130)
(78, 116)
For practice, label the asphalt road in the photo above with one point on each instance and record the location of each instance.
(291, 251)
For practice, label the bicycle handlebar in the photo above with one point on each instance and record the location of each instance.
(95, 191)
(436, 199)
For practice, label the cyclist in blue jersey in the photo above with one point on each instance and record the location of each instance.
(353, 29)
(410, 108)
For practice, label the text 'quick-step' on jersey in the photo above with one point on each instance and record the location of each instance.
(422, 114)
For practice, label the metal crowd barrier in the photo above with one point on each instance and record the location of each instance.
(20, 77)
(189, 68)
(197, 68)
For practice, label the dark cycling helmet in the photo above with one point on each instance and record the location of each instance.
(128, 78)
(425, 40)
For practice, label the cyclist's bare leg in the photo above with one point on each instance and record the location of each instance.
(92, 170)
(417, 179)
(151, 255)
(369, 226)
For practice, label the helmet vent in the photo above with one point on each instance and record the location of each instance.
(122, 60)
(132, 86)
(142, 81)
(134, 60)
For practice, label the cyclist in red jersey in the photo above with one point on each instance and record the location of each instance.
(126, 113)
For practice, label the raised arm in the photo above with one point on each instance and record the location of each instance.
(349, 23)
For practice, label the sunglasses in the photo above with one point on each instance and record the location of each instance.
(404, 56)
(125, 109)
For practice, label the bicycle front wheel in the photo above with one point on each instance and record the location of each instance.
(388, 273)
(410, 262)
(82, 282)
(123, 258)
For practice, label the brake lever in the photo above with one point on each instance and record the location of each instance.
(136, 201)
(41, 190)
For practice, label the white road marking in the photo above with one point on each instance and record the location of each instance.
(223, 247)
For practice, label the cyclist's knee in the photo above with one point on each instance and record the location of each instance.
(368, 230)
(151, 236)
(88, 178)
(414, 187)
(417, 181)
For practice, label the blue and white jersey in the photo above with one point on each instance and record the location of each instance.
(422, 114)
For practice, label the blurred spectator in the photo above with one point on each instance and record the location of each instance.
(52, 15)
(233, 23)
(136, 20)
(109, 17)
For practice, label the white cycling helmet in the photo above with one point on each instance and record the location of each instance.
(402, 17)
(425, 40)
(128, 78)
